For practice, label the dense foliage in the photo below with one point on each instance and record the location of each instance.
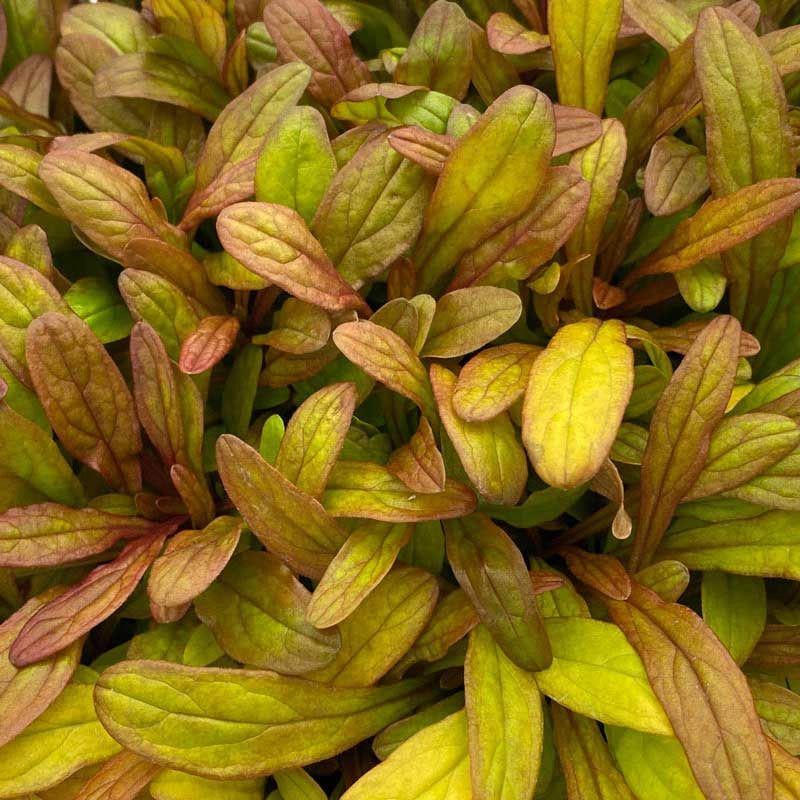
(400, 400)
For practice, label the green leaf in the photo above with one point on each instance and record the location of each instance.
(703, 285)
(275, 244)
(432, 763)
(680, 434)
(577, 393)
(489, 451)
(505, 724)
(372, 211)
(296, 163)
(241, 385)
(170, 784)
(484, 183)
(583, 36)
(596, 672)
(439, 54)
(98, 303)
(61, 741)
(297, 784)
(85, 397)
(358, 567)
(492, 572)
(256, 609)
(690, 668)
(289, 523)
(383, 627)
(19, 173)
(250, 723)
(314, 437)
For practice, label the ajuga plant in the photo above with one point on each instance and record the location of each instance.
(400, 400)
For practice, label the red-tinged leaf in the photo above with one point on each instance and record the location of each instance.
(532, 239)
(299, 328)
(507, 36)
(191, 561)
(85, 397)
(209, 344)
(429, 150)
(777, 651)
(665, 22)
(419, 464)
(684, 419)
(19, 168)
(314, 437)
(439, 54)
(489, 451)
(676, 176)
(492, 72)
(193, 489)
(287, 521)
(721, 224)
(364, 489)
(681, 338)
(25, 693)
(384, 356)
(273, 242)
(304, 30)
(575, 128)
(227, 166)
(64, 620)
(493, 380)
(108, 203)
(589, 769)
(786, 772)
(48, 534)
(29, 84)
(704, 694)
(484, 182)
(602, 572)
(360, 565)
(492, 572)
(122, 777)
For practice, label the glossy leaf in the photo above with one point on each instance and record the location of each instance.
(208, 345)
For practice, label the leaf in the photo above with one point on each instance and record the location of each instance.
(583, 37)
(668, 579)
(741, 448)
(49, 534)
(371, 212)
(506, 35)
(65, 738)
(575, 128)
(776, 651)
(98, 303)
(493, 380)
(27, 693)
(250, 722)
(419, 464)
(703, 285)
(778, 709)
(492, 572)
(288, 522)
(599, 571)
(24, 295)
(66, 619)
(299, 329)
(439, 54)
(721, 224)
(296, 163)
(85, 398)
(577, 393)
(489, 451)
(745, 108)
(588, 767)
(359, 566)
(208, 345)
(505, 723)
(191, 561)
(467, 319)
(314, 437)
(434, 760)
(119, 778)
(384, 626)
(482, 183)
(384, 356)
(684, 419)
(275, 244)
(19, 173)
(227, 166)
(241, 386)
(665, 22)
(196, 21)
(595, 672)
(256, 609)
(704, 694)
(653, 766)
(174, 785)
(368, 490)
(675, 177)
(297, 784)
(429, 150)
(108, 203)
(304, 30)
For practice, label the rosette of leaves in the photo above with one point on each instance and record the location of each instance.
(399, 401)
